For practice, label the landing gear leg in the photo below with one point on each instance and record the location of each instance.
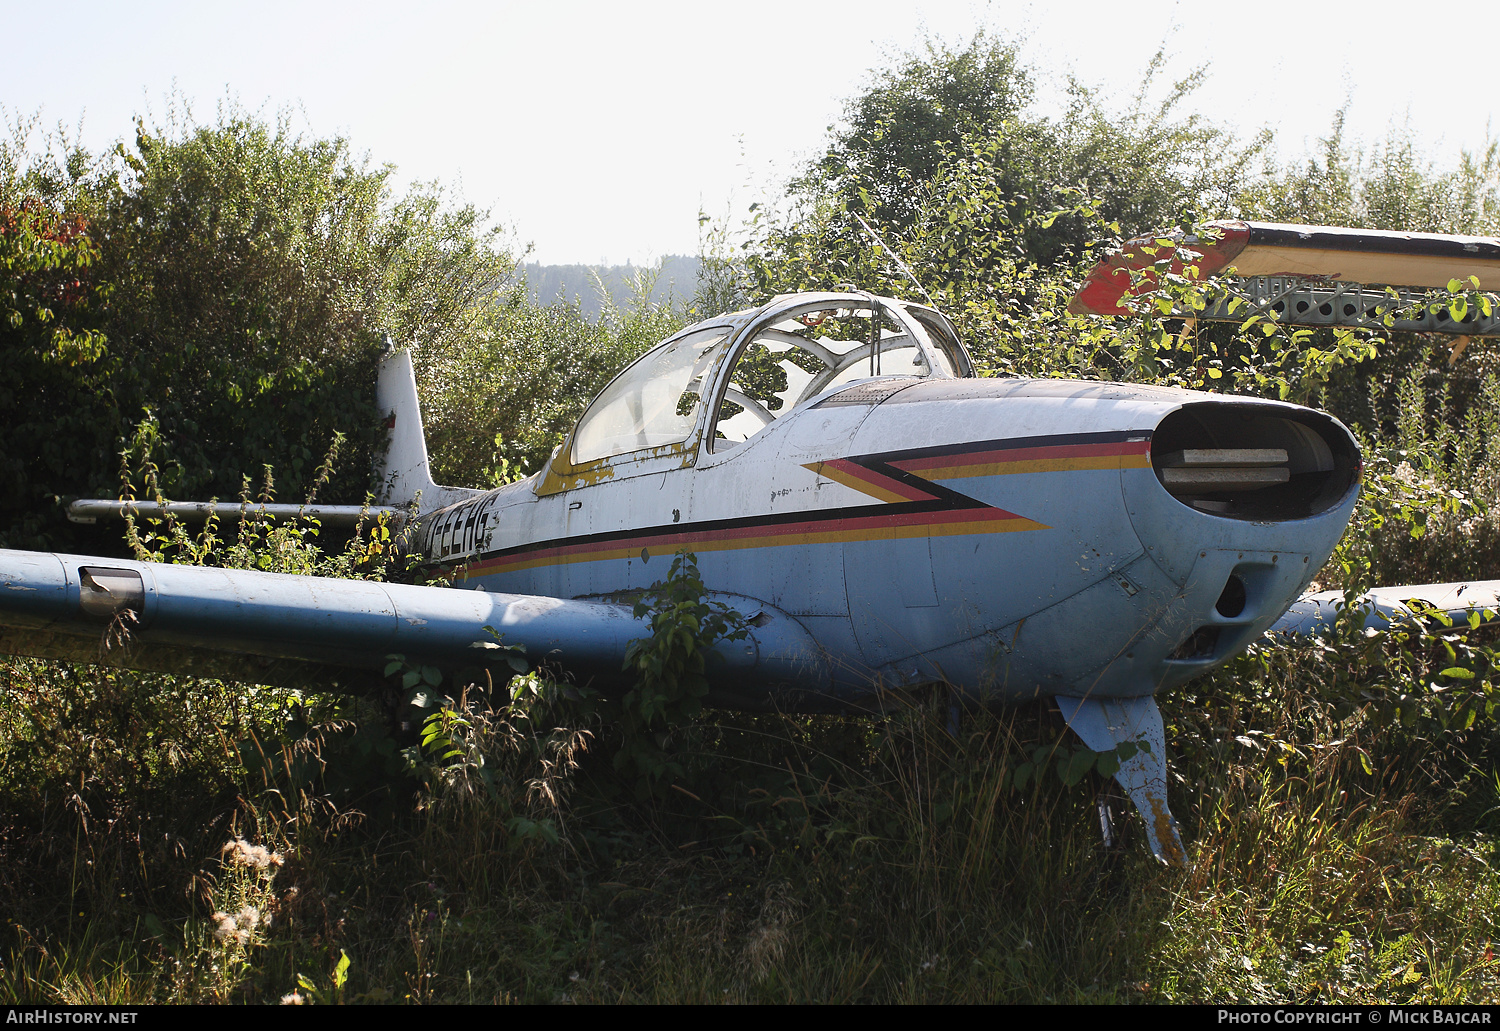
(1104, 724)
(1107, 829)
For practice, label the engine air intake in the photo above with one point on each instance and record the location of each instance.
(1254, 461)
(1232, 469)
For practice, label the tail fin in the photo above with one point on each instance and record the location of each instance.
(405, 474)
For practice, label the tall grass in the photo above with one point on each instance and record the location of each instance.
(838, 859)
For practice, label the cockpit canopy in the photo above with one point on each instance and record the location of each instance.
(653, 402)
(748, 370)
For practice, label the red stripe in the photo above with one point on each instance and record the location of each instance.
(1109, 283)
(668, 542)
(1027, 454)
(885, 483)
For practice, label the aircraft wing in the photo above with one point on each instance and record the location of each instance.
(1469, 604)
(1306, 275)
(279, 628)
(1323, 275)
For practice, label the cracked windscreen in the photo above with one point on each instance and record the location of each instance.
(653, 402)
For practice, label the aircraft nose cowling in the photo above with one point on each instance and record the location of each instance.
(1242, 504)
(1098, 539)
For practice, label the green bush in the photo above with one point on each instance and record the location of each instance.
(234, 280)
(499, 400)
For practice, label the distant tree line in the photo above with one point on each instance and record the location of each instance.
(671, 281)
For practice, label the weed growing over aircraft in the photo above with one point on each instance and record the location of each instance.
(668, 672)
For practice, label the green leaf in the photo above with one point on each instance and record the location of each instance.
(1078, 766)
(1108, 764)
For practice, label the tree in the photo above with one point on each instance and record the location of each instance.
(1390, 186)
(897, 129)
(53, 350)
(1145, 166)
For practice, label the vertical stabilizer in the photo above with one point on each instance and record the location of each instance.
(404, 473)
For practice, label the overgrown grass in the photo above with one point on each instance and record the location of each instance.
(838, 859)
(1344, 851)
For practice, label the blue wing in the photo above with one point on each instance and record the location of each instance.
(1468, 604)
(273, 627)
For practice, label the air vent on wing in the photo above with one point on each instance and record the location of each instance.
(1244, 460)
(105, 592)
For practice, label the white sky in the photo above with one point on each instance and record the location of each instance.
(598, 130)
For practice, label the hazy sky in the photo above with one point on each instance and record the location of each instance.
(597, 131)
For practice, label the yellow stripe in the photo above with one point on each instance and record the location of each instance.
(863, 486)
(873, 533)
(1040, 465)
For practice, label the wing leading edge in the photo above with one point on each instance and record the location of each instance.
(267, 627)
(1385, 607)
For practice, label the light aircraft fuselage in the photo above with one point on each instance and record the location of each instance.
(1009, 537)
(883, 519)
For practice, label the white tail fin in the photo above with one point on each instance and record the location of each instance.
(405, 474)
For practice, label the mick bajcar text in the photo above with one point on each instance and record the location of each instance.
(1342, 1016)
